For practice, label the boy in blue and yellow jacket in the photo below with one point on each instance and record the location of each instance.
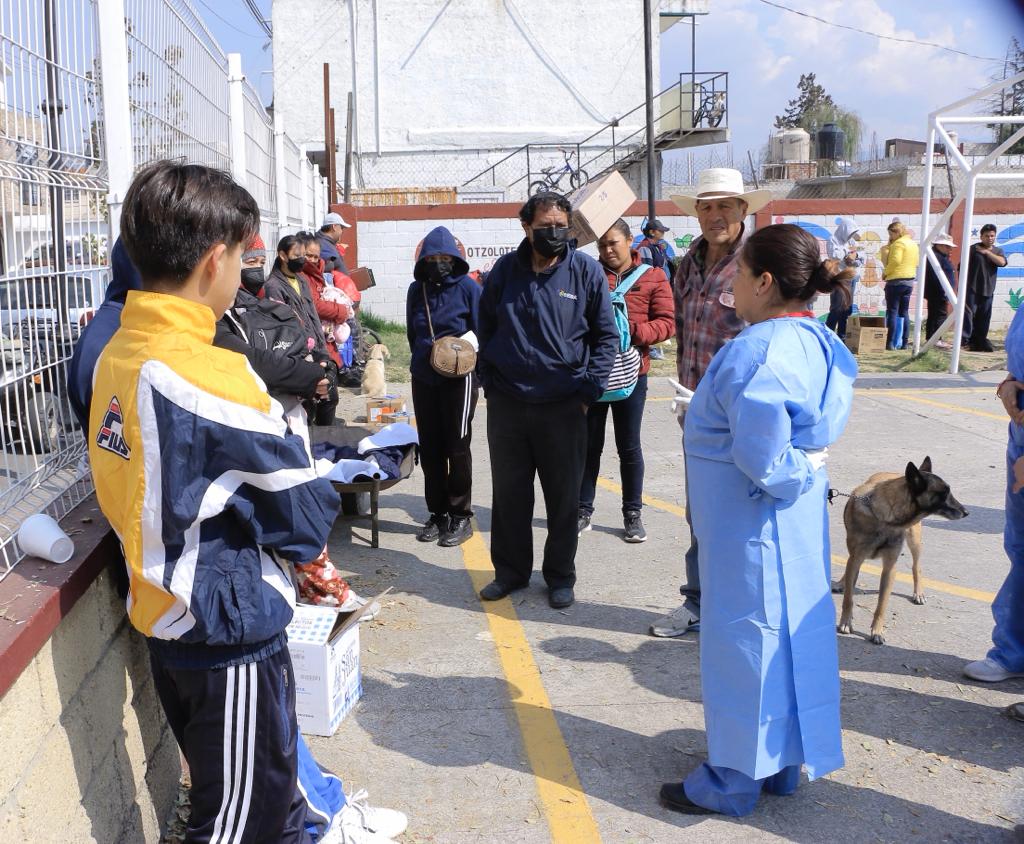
(211, 492)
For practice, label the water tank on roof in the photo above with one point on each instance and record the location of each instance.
(795, 145)
(831, 142)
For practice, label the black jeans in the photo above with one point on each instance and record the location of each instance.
(627, 415)
(936, 316)
(444, 419)
(548, 441)
(321, 411)
(897, 304)
(977, 319)
(838, 314)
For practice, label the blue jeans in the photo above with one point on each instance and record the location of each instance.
(897, 304)
(627, 416)
(1008, 607)
(732, 793)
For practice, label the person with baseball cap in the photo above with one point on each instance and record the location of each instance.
(653, 250)
(330, 233)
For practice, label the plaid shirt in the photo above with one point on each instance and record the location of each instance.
(703, 323)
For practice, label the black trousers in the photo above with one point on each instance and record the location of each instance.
(321, 411)
(936, 316)
(627, 417)
(444, 419)
(236, 727)
(977, 318)
(548, 441)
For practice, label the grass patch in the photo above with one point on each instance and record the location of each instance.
(392, 335)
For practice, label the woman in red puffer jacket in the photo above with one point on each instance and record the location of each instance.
(651, 320)
(333, 315)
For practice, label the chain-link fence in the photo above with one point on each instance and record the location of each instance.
(55, 178)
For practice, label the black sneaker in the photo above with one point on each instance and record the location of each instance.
(432, 529)
(634, 527)
(582, 522)
(459, 529)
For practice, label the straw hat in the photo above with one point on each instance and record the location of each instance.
(944, 240)
(721, 183)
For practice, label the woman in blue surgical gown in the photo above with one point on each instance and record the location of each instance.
(757, 436)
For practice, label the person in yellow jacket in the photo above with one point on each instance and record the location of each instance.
(212, 492)
(900, 269)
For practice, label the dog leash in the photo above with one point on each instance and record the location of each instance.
(833, 494)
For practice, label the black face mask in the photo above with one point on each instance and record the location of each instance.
(551, 241)
(437, 271)
(295, 265)
(252, 279)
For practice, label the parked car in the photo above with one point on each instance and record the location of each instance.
(32, 383)
(61, 305)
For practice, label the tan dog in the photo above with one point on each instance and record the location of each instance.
(375, 383)
(882, 512)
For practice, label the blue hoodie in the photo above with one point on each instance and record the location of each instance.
(96, 335)
(453, 304)
(547, 336)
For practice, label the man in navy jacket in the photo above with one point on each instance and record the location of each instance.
(547, 344)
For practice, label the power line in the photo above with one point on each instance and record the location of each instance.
(257, 13)
(227, 22)
(914, 41)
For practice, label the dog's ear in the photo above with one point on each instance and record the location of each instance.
(926, 465)
(387, 353)
(915, 480)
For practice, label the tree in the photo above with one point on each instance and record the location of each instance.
(811, 97)
(1009, 101)
(814, 107)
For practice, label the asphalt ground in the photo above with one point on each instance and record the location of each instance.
(514, 722)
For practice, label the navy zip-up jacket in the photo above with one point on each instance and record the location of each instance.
(453, 304)
(546, 336)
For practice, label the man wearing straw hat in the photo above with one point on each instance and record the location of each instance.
(705, 320)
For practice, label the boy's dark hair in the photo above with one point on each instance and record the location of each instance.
(174, 212)
(988, 227)
(541, 202)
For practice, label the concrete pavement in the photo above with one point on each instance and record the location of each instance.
(516, 722)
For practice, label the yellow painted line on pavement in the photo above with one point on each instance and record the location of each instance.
(934, 585)
(650, 501)
(946, 406)
(930, 390)
(565, 806)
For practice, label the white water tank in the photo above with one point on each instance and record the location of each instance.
(791, 145)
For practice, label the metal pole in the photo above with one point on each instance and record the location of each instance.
(236, 119)
(52, 108)
(926, 240)
(649, 83)
(117, 117)
(328, 164)
(334, 161)
(348, 147)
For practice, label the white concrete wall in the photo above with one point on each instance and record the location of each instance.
(460, 76)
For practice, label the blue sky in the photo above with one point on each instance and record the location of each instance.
(893, 86)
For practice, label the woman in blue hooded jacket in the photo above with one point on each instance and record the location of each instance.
(443, 302)
(757, 433)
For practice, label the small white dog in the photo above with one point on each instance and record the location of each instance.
(375, 383)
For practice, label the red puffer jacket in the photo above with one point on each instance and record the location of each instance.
(650, 307)
(329, 312)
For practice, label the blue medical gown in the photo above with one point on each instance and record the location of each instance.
(1008, 607)
(769, 664)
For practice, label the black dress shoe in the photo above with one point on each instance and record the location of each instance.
(673, 796)
(459, 529)
(495, 590)
(432, 529)
(561, 598)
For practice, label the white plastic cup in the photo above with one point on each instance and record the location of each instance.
(41, 536)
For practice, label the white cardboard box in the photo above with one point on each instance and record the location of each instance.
(597, 205)
(324, 646)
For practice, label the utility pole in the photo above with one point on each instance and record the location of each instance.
(649, 84)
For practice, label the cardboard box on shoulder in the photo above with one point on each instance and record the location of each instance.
(866, 334)
(324, 646)
(375, 408)
(597, 205)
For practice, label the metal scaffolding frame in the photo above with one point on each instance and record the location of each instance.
(937, 130)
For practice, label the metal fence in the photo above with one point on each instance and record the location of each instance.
(180, 101)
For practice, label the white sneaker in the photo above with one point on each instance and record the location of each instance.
(388, 823)
(354, 602)
(349, 831)
(987, 670)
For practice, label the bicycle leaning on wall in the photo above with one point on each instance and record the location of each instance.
(553, 176)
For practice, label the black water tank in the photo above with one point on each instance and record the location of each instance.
(831, 142)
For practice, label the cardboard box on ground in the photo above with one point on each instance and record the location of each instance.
(866, 334)
(324, 646)
(376, 408)
(597, 205)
